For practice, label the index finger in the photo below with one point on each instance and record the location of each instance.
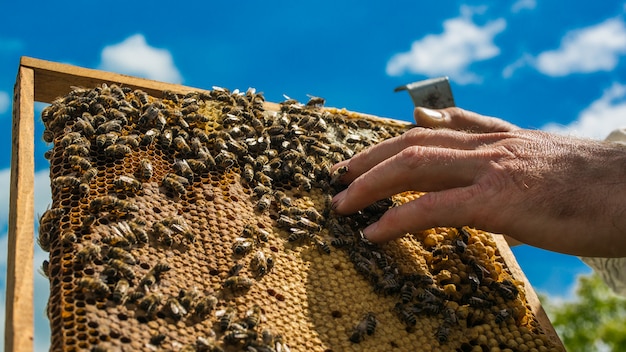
(418, 136)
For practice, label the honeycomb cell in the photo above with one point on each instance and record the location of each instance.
(224, 207)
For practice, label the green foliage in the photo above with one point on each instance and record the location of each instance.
(595, 319)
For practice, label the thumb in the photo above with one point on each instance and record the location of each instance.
(459, 119)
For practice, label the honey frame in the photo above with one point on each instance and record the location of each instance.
(43, 81)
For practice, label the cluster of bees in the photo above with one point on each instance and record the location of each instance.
(104, 166)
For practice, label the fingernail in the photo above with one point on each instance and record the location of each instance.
(370, 232)
(433, 114)
(338, 199)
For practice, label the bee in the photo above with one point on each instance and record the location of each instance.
(204, 345)
(109, 126)
(76, 149)
(166, 138)
(282, 198)
(478, 269)
(236, 147)
(407, 292)
(341, 242)
(261, 264)
(117, 151)
(235, 269)
(121, 289)
(239, 335)
(263, 179)
(116, 240)
(112, 204)
(205, 305)
(181, 145)
(73, 138)
(94, 286)
(367, 325)
(338, 174)
(474, 282)
(121, 254)
(89, 175)
(225, 159)
(315, 101)
(160, 268)
(297, 234)
(163, 233)
(261, 190)
(127, 183)
(179, 225)
(286, 222)
(248, 172)
(48, 136)
(106, 139)
(150, 135)
(253, 316)
(322, 246)
(262, 234)
(79, 162)
(183, 169)
(242, 245)
(406, 315)
(68, 237)
(308, 224)
(174, 309)
(502, 316)
(188, 298)
(264, 203)
(66, 181)
(238, 283)
(157, 340)
(83, 125)
(131, 140)
(506, 288)
(150, 303)
(174, 183)
(303, 181)
(139, 231)
(449, 316)
(226, 318)
(88, 253)
(197, 166)
(135, 295)
(148, 280)
(442, 333)
(86, 222)
(146, 170)
(120, 266)
(479, 302)
(313, 214)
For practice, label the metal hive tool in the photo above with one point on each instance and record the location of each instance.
(202, 223)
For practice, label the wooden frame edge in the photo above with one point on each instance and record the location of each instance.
(529, 291)
(19, 328)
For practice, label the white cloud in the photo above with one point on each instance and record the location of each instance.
(135, 57)
(451, 52)
(520, 5)
(5, 102)
(600, 118)
(590, 49)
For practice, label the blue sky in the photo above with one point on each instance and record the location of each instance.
(543, 65)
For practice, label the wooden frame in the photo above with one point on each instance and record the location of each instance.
(44, 81)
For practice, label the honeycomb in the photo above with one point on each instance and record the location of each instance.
(202, 222)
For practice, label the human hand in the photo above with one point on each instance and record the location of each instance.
(558, 193)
